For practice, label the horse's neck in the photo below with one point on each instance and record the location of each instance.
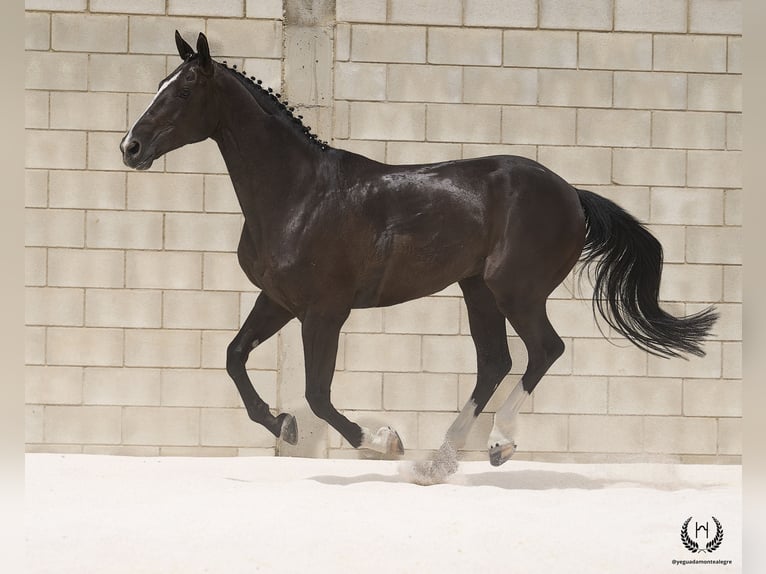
(268, 162)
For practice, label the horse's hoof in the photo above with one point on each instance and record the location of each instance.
(386, 441)
(289, 429)
(500, 453)
(395, 445)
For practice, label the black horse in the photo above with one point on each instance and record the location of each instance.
(327, 231)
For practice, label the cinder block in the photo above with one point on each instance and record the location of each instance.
(733, 207)
(82, 425)
(570, 395)
(650, 16)
(267, 9)
(224, 8)
(253, 38)
(55, 149)
(220, 195)
(417, 83)
(162, 348)
(420, 392)
(36, 106)
(49, 306)
(122, 308)
(214, 344)
(202, 232)
(104, 154)
(499, 86)
(372, 43)
(266, 70)
(342, 41)
(732, 283)
(221, 272)
(500, 13)
(454, 354)
(650, 167)
(35, 188)
(684, 435)
(421, 152)
(211, 388)
(56, 71)
(61, 5)
(734, 56)
(463, 123)
(121, 450)
(356, 390)
(134, 7)
(54, 228)
(354, 81)
(387, 121)
(160, 426)
(573, 318)
(673, 241)
(87, 111)
(602, 357)
(715, 92)
(35, 264)
(165, 192)
(645, 396)
(714, 245)
(712, 398)
(707, 367)
(715, 17)
(539, 49)
(126, 230)
(734, 131)
(691, 283)
(85, 268)
(163, 270)
(541, 433)
(584, 15)
(689, 130)
(232, 427)
(34, 345)
(34, 424)
(730, 436)
(201, 157)
(389, 353)
(471, 150)
(84, 346)
(121, 386)
(354, 11)
(53, 385)
(372, 149)
(650, 90)
(604, 433)
(614, 128)
(609, 51)
(431, 12)
(465, 46)
(89, 33)
(87, 189)
(124, 73)
(690, 53)
(715, 169)
(364, 321)
(37, 29)
(578, 165)
(575, 88)
(200, 310)
(154, 34)
(687, 206)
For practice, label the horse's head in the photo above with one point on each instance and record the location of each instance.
(180, 113)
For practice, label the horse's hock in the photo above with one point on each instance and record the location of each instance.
(134, 291)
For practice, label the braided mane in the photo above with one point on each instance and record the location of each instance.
(272, 102)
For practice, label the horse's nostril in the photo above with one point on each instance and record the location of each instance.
(133, 148)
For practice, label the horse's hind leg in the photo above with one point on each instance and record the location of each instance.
(544, 346)
(264, 320)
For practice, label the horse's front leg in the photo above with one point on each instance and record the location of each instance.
(320, 332)
(266, 318)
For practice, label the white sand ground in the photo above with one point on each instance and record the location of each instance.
(111, 515)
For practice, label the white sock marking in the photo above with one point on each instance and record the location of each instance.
(504, 429)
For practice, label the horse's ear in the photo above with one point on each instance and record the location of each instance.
(184, 50)
(204, 53)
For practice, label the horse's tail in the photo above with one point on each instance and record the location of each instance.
(628, 266)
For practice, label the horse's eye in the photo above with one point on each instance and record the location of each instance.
(189, 77)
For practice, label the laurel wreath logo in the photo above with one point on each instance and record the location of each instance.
(692, 546)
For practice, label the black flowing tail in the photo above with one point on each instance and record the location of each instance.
(628, 266)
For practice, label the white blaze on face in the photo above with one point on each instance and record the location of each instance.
(163, 87)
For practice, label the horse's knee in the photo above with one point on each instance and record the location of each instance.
(319, 402)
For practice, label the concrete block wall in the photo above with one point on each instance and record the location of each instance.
(133, 286)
